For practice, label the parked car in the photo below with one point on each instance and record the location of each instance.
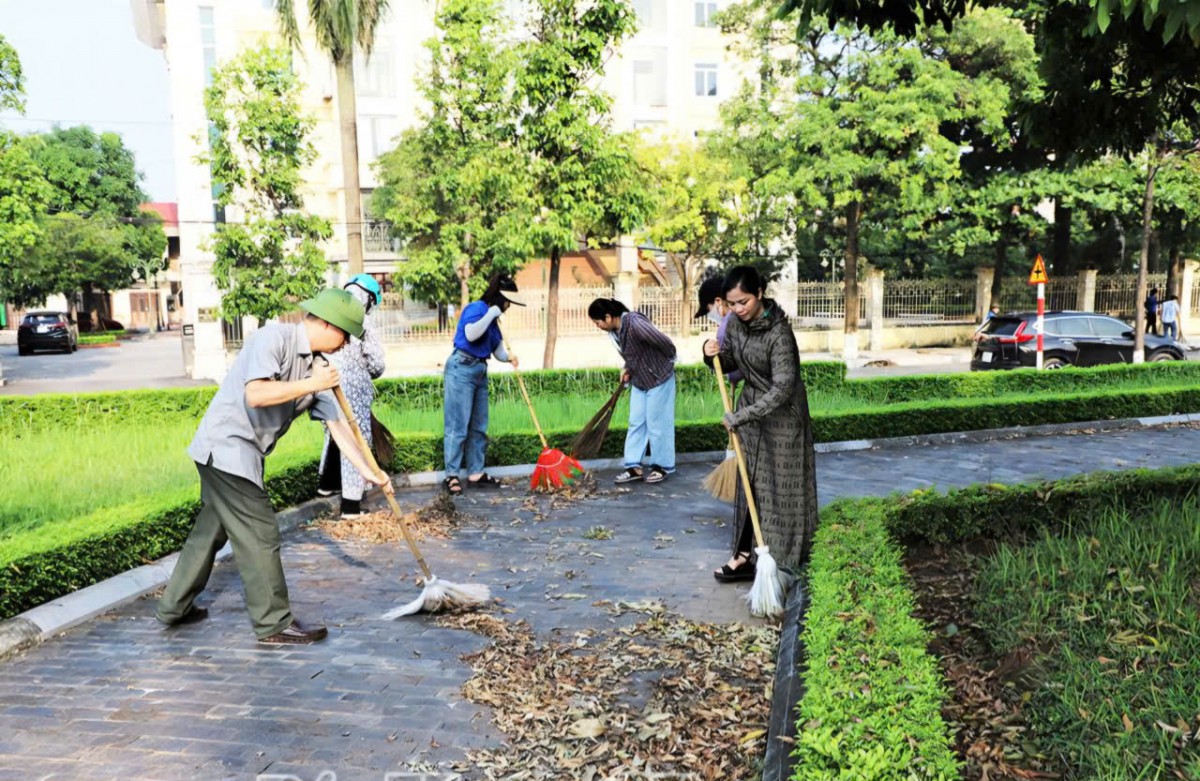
(1072, 339)
(47, 331)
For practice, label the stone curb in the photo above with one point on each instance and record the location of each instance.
(788, 688)
(44, 621)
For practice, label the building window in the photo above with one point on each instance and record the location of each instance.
(375, 135)
(375, 76)
(706, 80)
(268, 5)
(650, 79)
(651, 16)
(705, 11)
(208, 41)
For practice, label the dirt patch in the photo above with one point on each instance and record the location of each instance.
(665, 696)
(986, 709)
(438, 519)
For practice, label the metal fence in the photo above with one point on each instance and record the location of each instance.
(1116, 294)
(823, 304)
(922, 301)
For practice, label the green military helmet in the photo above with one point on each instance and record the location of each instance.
(338, 308)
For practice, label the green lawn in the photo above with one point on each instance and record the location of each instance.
(56, 476)
(1111, 612)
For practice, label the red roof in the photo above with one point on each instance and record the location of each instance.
(168, 211)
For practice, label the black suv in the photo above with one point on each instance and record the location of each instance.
(1072, 339)
(47, 331)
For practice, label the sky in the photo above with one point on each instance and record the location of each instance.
(84, 65)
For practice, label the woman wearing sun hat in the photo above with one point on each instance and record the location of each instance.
(465, 393)
(360, 361)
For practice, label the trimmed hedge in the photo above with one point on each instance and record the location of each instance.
(995, 383)
(426, 392)
(118, 547)
(873, 697)
(999, 510)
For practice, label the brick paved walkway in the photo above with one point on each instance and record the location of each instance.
(121, 698)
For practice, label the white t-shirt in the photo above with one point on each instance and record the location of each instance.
(1170, 311)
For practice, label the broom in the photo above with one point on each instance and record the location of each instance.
(588, 441)
(721, 483)
(766, 595)
(554, 468)
(438, 594)
(383, 444)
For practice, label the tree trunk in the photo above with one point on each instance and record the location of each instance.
(999, 261)
(1120, 229)
(1062, 238)
(464, 292)
(1139, 331)
(850, 275)
(348, 119)
(552, 310)
(1175, 273)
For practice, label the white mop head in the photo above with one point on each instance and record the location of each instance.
(440, 595)
(766, 595)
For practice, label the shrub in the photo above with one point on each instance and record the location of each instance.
(113, 545)
(871, 710)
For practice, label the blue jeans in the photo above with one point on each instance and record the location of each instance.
(1171, 329)
(465, 401)
(652, 422)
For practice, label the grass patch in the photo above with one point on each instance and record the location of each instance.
(97, 338)
(1110, 612)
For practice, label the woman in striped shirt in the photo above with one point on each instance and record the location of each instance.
(650, 371)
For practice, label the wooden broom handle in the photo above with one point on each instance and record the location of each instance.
(528, 403)
(371, 462)
(737, 450)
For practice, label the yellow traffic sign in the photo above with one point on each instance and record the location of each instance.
(1038, 275)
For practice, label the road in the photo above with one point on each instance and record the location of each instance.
(152, 362)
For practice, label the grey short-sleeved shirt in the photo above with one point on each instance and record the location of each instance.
(238, 437)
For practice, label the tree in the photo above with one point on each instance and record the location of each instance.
(584, 181)
(12, 79)
(341, 26)
(24, 195)
(259, 148)
(693, 194)
(870, 133)
(455, 188)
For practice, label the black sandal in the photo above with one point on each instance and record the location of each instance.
(744, 571)
(452, 485)
(485, 480)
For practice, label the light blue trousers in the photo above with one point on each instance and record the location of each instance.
(652, 422)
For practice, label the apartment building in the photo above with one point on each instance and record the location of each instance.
(669, 78)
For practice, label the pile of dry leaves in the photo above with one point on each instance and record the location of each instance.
(663, 696)
(986, 708)
(438, 518)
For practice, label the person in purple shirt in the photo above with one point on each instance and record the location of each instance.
(712, 306)
(465, 388)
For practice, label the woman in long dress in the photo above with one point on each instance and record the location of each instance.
(774, 426)
(359, 362)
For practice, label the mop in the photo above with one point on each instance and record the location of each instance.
(438, 595)
(766, 595)
(554, 468)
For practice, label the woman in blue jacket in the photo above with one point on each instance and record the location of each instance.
(465, 393)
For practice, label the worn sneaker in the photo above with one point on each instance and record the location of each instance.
(628, 476)
(656, 474)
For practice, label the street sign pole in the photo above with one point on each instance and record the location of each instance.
(1038, 276)
(1041, 322)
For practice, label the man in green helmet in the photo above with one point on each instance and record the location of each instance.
(275, 378)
